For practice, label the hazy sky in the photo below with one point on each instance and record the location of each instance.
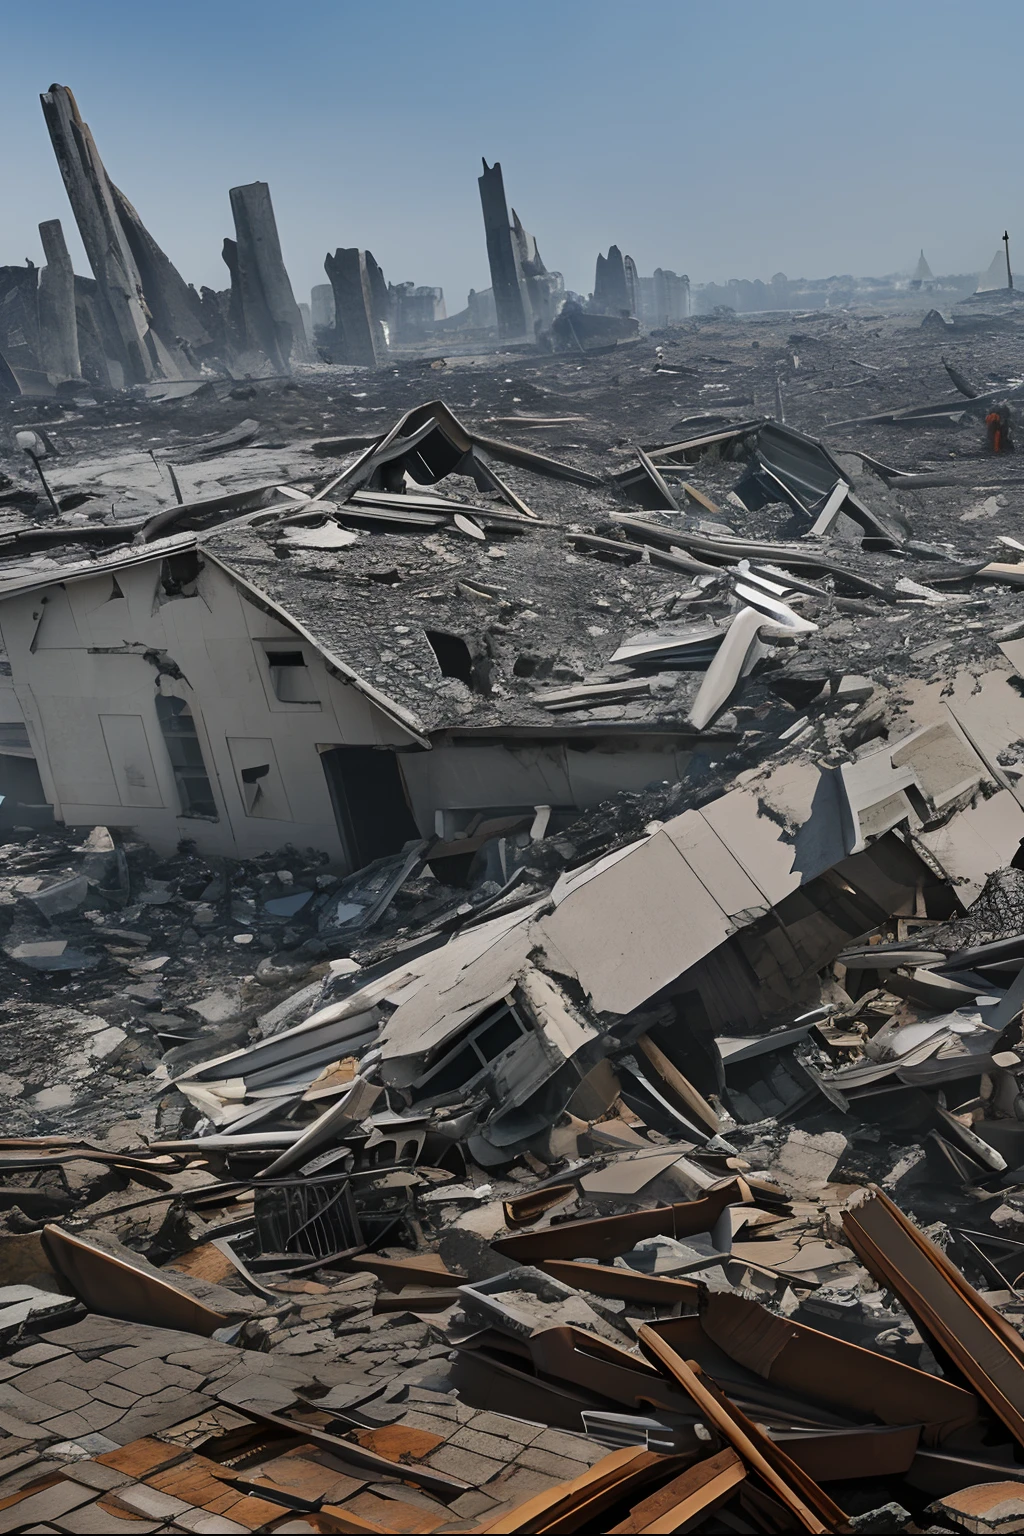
(724, 141)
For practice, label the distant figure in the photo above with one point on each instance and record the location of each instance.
(1000, 431)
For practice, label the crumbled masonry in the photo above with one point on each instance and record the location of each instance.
(511, 900)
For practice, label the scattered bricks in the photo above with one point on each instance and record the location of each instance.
(192, 1481)
(151, 1420)
(137, 1498)
(507, 1429)
(558, 1468)
(514, 1484)
(47, 1504)
(62, 1395)
(466, 1465)
(395, 1514)
(205, 1524)
(399, 1442)
(39, 1473)
(141, 1456)
(486, 1445)
(83, 1374)
(37, 1354)
(10, 1425)
(15, 1461)
(471, 1505)
(413, 1418)
(298, 1344)
(204, 1361)
(68, 1426)
(117, 1397)
(94, 1520)
(30, 1409)
(93, 1474)
(141, 1380)
(253, 1513)
(91, 1417)
(575, 1447)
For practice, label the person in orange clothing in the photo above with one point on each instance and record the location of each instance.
(1000, 435)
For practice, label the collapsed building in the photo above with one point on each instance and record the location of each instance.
(513, 917)
(137, 321)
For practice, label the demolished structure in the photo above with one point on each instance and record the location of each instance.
(513, 921)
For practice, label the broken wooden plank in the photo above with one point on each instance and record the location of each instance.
(605, 1237)
(983, 1346)
(115, 1289)
(697, 1491)
(624, 1284)
(607, 1480)
(813, 1510)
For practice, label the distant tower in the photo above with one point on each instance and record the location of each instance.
(611, 293)
(508, 296)
(995, 276)
(922, 273)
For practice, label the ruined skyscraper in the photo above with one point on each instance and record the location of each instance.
(632, 277)
(359, 292)
(58, 326)
(505, 282)
(611, 294)
(671, 297)
(270, 314)
(139, 290)
(542, 290)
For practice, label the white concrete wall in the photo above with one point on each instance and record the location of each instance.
(491, 775)
(87, 691)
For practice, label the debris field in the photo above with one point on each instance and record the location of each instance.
(512, 906)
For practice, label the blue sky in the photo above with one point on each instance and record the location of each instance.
(733, 140)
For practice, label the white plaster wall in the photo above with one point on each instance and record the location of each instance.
(76, 654)
(491, 775)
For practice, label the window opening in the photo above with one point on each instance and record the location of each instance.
(253, 789)
(290, 677)
(177, 572)
(470, 1059)
(195, 793)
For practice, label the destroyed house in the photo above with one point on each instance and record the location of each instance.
(352, 672)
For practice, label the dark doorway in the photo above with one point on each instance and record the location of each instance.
(22, 801)
(373, 814)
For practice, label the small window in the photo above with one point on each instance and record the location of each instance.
(291, 678)
(195, 794)
(259, 779)
(252, 788)
(497, 1037)
(179, 574)
(288, 678)
(469, 1059)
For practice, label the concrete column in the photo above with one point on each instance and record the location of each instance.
(58, 323)
(321, 305)
(174, 306)
(381, 308)
(508, 297)
(117, 276)
(355, 329)
(632, 278)
(611, 295)
(272, 319)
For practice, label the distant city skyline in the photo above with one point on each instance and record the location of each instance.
(798, 139)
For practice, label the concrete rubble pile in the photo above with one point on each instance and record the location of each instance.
(512, 908)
